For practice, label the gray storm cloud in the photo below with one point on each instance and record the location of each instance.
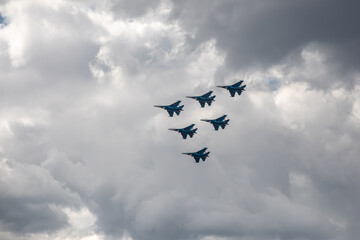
(85, 155)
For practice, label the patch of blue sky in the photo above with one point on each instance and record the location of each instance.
(2, 20)
(273, 83)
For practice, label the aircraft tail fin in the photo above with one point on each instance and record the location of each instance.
(205, 156)
(193, 133)
(241, 90)
(177, 111)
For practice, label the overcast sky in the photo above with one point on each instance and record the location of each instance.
(84, 155)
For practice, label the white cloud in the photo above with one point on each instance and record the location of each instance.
(85, 155)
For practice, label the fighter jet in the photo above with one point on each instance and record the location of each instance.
(199, 155)
(235, 88)
(217, 122)
(185, 131)
(172, 108)
(204, 99)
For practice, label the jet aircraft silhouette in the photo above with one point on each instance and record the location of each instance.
(172, 108)
(218, 122)
(235, 88)
(201, 154)
(204, 98)
(185, 131)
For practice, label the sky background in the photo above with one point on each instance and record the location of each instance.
(84, 155)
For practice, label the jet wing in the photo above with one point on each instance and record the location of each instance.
(175, 104)
(197, 159)
(221, 118)
(206, 95)
(202, 103)
(171, 113)
(184, 135)
(201, 151)
(216, 126)
(232, 93)
(238, 84)
(189, 127)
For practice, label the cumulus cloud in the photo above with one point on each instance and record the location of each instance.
(264, 32)
(85, 155)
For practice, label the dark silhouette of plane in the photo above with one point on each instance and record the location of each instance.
(199, 155)
(204, 98)
(185, 131)
(172, 108)
(235, 88)
(218, 122)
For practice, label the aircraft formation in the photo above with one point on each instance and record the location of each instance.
(203, 99)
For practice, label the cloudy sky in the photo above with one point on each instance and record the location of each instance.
(84, 155)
